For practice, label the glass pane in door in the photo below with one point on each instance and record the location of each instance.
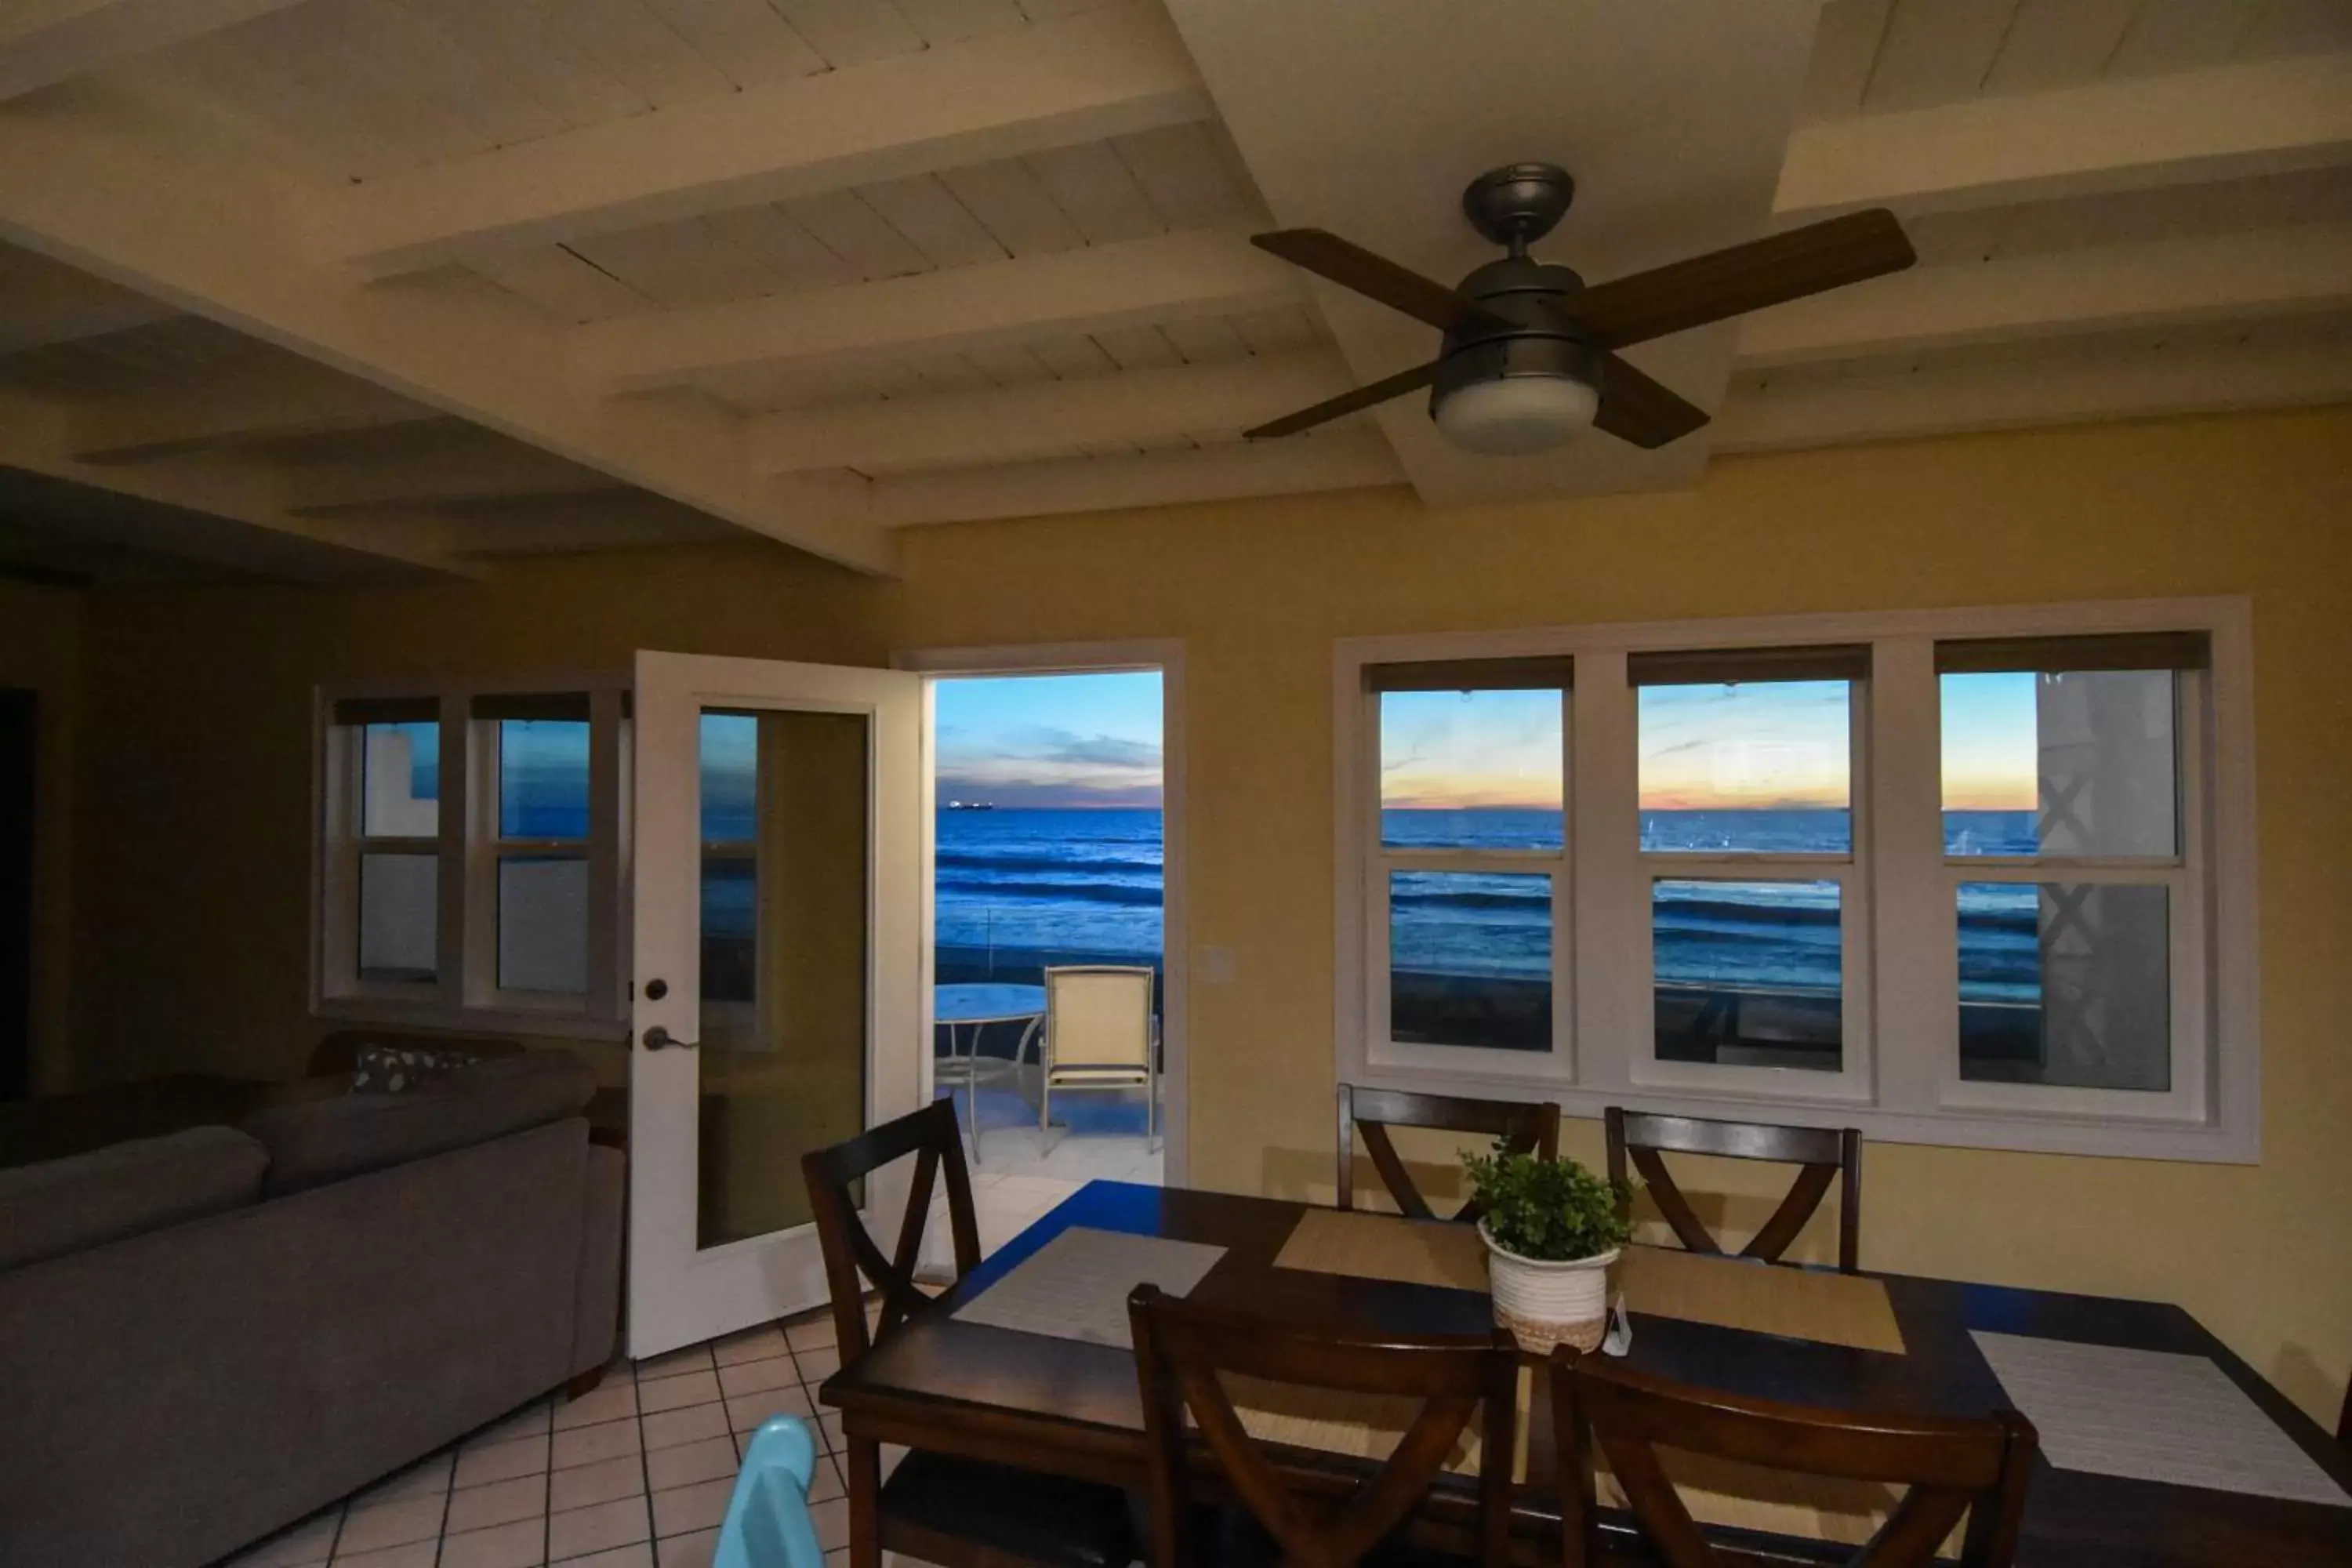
(784, 905)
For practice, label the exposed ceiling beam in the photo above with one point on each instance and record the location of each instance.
(263, 408)
(1052, 84)
(1009, 423)
(2214, 124)
(47, 41)
(462, 471)
(35, 437)
(120, 184)
(1819, 410)
(1348, 458)
(616, 519)
(2062, 293)
(43, 303)
(1175, 277)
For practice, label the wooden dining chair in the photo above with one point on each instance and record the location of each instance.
(941, 1508)
(1183, 1353)
(1951, 1468)
(1823, 1155)
(1372, 1111)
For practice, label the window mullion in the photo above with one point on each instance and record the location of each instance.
(1610, 899)
(1916, 926)
(457, 837)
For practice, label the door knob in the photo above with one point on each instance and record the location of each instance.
(659, 1039)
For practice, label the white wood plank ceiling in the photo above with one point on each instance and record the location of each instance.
(411, 285)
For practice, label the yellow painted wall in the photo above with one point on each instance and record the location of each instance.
(193, 900)
(195, 903)
(40, 632)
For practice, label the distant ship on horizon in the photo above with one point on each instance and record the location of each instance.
(972, 806)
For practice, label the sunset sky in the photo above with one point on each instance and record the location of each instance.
(1703, 748)
(1050, 741)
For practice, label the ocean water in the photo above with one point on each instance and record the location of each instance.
(1082, 882)
(1089, 882)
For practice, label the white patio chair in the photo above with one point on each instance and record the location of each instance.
(1101, 1033)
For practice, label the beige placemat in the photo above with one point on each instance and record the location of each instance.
(1797, 1303)
(2155, 1416)
(1075, 1286)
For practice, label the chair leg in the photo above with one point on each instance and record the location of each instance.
(1150, 1108)
(972, 1104)
(1046, 1102)
(865, 1482)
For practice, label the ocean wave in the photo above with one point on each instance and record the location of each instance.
(1077, 864)
(980, 889)
(1709, 914)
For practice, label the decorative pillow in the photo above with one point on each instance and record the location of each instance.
(399, 1069)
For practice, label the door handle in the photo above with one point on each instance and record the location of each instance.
(658, 1038)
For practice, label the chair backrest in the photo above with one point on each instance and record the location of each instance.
(767, 1524)
(1098, 1015)
(1182, 1349)
(1372, 1111)
(1951, 1467)
(929, 1134)
(1822, 1152)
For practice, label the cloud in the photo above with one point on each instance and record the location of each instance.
(1040, 765)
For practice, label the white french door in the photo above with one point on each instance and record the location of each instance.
(776, 958)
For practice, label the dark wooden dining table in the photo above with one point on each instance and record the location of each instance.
(1069, 1407)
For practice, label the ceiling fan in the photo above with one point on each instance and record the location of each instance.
(1529, 357)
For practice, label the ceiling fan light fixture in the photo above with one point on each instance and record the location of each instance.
(1516, 416)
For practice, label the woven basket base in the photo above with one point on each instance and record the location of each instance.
(1538, 1338)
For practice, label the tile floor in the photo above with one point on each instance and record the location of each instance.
(1096, 1136)
(633, 1475)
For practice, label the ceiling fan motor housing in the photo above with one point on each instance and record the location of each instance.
(1540, 341)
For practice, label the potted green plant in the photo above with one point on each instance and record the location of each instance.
(1553, 1229)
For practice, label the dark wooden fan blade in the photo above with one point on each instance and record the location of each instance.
(1374, 276)
(1331, 408)
(1637, 409)
(1722, 283)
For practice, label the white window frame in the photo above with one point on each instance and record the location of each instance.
(464, 993)
(1900, 1079)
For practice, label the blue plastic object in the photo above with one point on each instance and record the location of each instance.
(768, 1524)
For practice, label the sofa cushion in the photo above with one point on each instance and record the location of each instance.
(328, 1139)
(126, 1189)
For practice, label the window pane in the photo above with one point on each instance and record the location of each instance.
(400, 780)
(1748, 974)
(1470, 960)
(399, 916)
(542, 778)
(2065, 983)
(543, 923)
(729, 776)
(2079, 764)
(1471, 770)
(730, 890)
(1759, 767)
(782, 1066)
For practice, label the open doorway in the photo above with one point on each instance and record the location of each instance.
(1049, 903)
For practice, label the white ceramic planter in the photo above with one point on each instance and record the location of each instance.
(1547, 1303)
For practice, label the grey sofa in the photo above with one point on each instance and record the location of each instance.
(208, 1336)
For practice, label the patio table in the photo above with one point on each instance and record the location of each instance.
(975, 1005)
